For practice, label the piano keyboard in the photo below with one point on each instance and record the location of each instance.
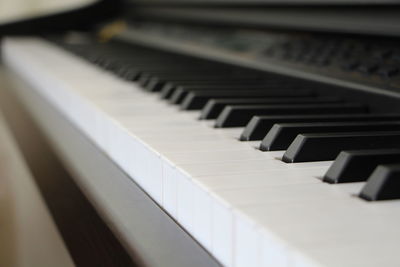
(261, 169)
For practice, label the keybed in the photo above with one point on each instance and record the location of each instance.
(270, 178)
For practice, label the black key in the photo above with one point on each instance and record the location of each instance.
(182, 91)
(383, 184)
(169, 88)
(129, 74)
(135, 73)
(198, 99)
(349, 64)
(259, 126)
(218, 91)
(179, 93)
(381, 54)
(215, 106)
(145, 72)
(146, 76)
(326, 146)
(156, 84)
(388, 71)
(162, 78)
(282, 135)
(235, 116)
(357, 166)
(368, 67)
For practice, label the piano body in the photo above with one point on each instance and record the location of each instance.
(234, 133)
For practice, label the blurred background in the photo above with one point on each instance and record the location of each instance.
(12, 10)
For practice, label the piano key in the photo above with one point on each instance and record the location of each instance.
(282, 135)
(326, 146)
(315, 220)
(357, 166)
(260, 179)
(129, 74)
(169, 88)
(240, 115)
(196, 100)
(184, 183)
(243, 199)
(155, 84)
(145, 76)
(135, 72)
(188, 73)
(215, 106)
(295, 232)
(241, 239)
(181, 172)
(197, 157)
(161, 76)
(216, 91)
(383, 184)
(259, 126)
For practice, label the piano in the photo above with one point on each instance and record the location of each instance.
(267, 133)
